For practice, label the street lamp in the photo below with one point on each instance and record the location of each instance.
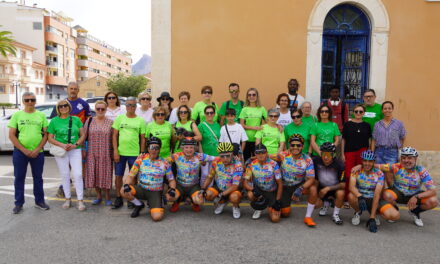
(16, 85)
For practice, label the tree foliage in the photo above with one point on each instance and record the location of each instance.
(6, 45)
(125, 85)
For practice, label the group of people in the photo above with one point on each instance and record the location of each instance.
(221, 152)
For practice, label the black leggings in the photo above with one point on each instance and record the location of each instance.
(249, 150)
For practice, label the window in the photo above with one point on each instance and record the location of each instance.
(58, 96)
(2, 89)
(98, 83)
(50, 96)
(37, 26)
(90, 94)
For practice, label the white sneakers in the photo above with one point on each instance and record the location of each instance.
(323, 211)
(81, 206)
(257, 214)
(356, 220)
(337, 220)
(219, 209)
(67, 204)
(417, 220)
(236, 212)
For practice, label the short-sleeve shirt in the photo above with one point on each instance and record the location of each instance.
(238, 107)
(373, 114)
(112, 114)
(389, 136)
(226, 175)
(152, 172)
(199, 111)
(328, 175)
(60, 128)
(264, 175)
(188, 169)
(409, 182)
(253, 116)
(295, 170)
(236, 132)
(147, 116)
(209, 140)
(164, 132)
(129, 131)
(80, 108)
(366, 182)
(271, 137)
(303, 130)
(188, 127)
(325, 132)
(356, 135)
(29, 127)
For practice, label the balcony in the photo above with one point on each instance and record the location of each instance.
(83, 52)
(51, 49)
(56, 80)
(81, 40)
(83, 63)
(83, 73)
(52, 64)
(7, 77)
(25, 61)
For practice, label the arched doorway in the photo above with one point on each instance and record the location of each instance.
(345, 53)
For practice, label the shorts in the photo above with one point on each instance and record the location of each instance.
(154, 198)
(387, 155)
(286, 198)
(270, 197)
(399, 196)
(187, 191)
(120, 166)
(216, 191)
(328, 195)
(381, 207)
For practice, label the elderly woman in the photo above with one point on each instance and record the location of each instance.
(165, 101)
(114, 107)
(145, 111)
(99, 168)
(307, 118)
(161, 129)
(184, 97)
(66, 132)
(283, 103)
(325, 130)
(270, 135)
(184, 114)
(298, 127)
(388, 136)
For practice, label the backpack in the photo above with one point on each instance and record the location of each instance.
(229, 102)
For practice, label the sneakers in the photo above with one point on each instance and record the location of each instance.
(377, 219)
(118, 203)
(137, 210)
(81, 206)
(309, 222)
(130, 205)
(17, 209)
(219, 209)
(175, 207)
(196, 208)
(347, 205)
(67, 204)
(257, 214)
(337, 220)
(236, 212)
(60, 192)
(356, 220)
(96, 202)
(323, 211)
(42, 206)
(417, 220)
(108, 203)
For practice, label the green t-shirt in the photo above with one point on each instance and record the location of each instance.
(187, 127)
(303, 130)
(252, 117)
(325, 132)
(60, 128)
(209, 142)
(238, 107)
(129, 131)
(29, 126)
(309, 121)
(271, 137)
(373, 114)
(164, 132)
(199, 109)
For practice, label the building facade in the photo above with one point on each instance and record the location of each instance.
(95, 86)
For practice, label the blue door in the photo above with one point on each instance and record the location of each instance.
(345, 53)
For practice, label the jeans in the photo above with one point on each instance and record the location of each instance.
(120, 166)
(74, 158)
(20, 162)
(387, 155)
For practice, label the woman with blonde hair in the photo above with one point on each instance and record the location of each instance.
(145, 111)
(161, 129)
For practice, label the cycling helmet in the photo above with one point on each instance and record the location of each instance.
(296, 137)
(409, 151)
(225, 147)
(260, 148)
(260, 204)
(154, 140)
(328, 147)
(188, 141)
(368, 155)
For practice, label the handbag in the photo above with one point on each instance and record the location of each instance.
(59, 151)
(235, 145)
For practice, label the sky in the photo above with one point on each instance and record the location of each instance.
(125, 25)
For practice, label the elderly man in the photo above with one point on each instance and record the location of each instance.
(27, 131)
(373, 110)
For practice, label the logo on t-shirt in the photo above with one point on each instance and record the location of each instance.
(370, 114)
(79, 106)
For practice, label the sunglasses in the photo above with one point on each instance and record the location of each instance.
(261, 152)
(165, 99)
(296, 116)
(274, 116)
(183, 112)
(154, 148)
(63, 106)
(159, 114)
(111, 98)
(252, 95)
(230, 115)
(209, 113)
(131, 105)
(224, 155)
(146, 99)
(358, 111)
(233, 91)
(33, 100)
(100, 109)
(207, 92)
(324, 111)
(296, 145)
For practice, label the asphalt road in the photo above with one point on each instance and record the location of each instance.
(102, 235)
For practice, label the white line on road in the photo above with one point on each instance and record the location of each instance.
(31, 186)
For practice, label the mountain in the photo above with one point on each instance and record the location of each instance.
(143, 66)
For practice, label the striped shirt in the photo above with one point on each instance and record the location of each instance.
(391, 136)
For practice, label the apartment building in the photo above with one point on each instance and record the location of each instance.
(19, 74)
(96, 57)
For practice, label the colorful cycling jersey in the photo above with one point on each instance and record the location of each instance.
(294, 170)
(409, 182)
(188, 169)
(151, 172)
(366, 182)
(80, 108)
(264, 175)
(328, 175)
(226, 175)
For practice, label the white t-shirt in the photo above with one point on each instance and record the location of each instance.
(284, 119)
(146, 115)
(173, 116)
(299, 99)
(112, 114)
(236, 131)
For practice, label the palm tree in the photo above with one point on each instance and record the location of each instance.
(6, 43)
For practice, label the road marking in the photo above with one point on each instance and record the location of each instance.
(30, 186)
(13, 177)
